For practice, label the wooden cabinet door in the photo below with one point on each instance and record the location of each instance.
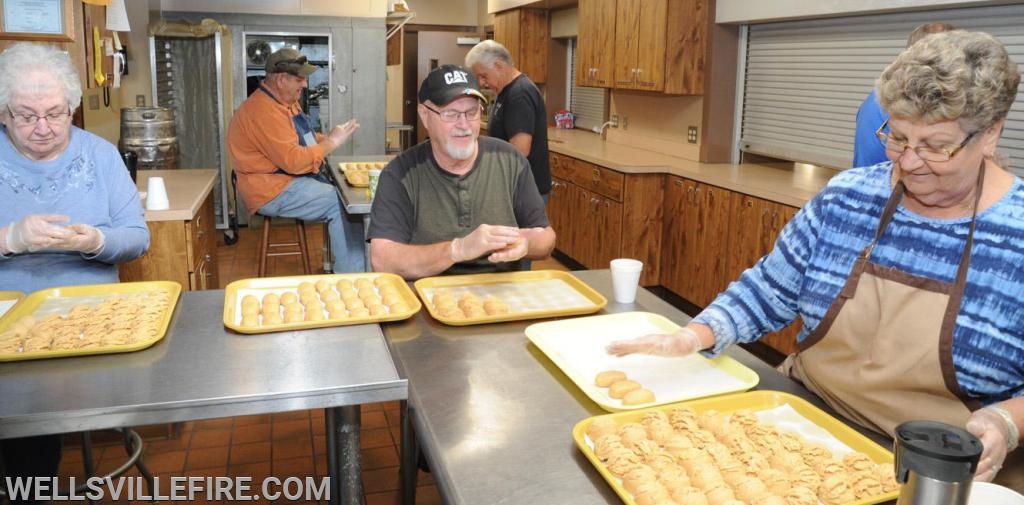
(710, 242)
(606, 224)
(507, 32)
(627, 42)
(673, 268)
(686, 45)
(755, 225)
(559, 203)
(525, 33)
(595, 46)
(640, 30)
(750, 220)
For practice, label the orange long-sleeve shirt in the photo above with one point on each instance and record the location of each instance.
(261, 140)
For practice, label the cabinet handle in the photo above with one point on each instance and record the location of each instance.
(208, 258)
(678, 183)
(749, 202)
(596, 174)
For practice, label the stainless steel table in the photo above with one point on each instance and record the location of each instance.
(199, 370)
(494, 415)
(355, 200)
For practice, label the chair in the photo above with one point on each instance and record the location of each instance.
(296, 247)
(266, 246)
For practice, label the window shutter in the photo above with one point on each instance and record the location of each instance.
(805, 79)
(588, 105)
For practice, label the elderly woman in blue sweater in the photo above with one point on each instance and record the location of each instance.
(908, 275)
(70, 210)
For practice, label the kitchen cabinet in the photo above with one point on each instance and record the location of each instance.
(695, 239)
(180, 250)
(756, 224)
(601, 214)
(524, 32)
(595, 46)
(657, 45)
(640, 44)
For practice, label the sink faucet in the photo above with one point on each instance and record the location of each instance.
(603, 129)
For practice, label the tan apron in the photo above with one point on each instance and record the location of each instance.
(883, 353)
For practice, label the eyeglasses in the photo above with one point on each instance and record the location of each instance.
(32, 119)
(291, 66)
(926, 153)
(451, 116)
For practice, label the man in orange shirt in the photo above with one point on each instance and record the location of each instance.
(278, 157)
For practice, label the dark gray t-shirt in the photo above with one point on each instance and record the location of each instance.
(419, 203)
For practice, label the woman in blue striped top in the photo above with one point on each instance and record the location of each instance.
(908, 275)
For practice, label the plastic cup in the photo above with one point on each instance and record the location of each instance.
(625, 279)
(156, 194)
(374, 178)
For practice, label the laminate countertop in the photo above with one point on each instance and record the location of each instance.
(787, 183)
(187, 189)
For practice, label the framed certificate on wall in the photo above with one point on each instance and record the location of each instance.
(49, 20)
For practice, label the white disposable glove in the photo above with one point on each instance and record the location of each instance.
(87, 239)
(681, 343)
(998, 434)
(486, 239)
(36, 232)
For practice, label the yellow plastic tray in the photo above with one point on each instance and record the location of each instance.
(8, 299)
(751, 400)
(261, 286)
(355, 172)
(577, 347)
(91, 294)
(532, 294)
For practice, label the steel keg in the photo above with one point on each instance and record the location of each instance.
(149, 132)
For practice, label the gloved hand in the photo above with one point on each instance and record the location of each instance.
(998, 434)
(483, 240)
(36, 232)
(87, 240)
(512, 252)
(341, 133)
(681, 343)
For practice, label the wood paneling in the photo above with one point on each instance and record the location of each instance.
(179, 251)
(756, 224)
(642, 221)
(524, 32)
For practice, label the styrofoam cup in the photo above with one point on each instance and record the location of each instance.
(156, 194)
(625, 279)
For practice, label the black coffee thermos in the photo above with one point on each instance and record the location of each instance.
(131, 160)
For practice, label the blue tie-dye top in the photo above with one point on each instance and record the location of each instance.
(815, 253)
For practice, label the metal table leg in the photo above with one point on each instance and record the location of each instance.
(407, 470)
(366, 241)
(344, 461)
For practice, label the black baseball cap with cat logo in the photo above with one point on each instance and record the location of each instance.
(448, 82)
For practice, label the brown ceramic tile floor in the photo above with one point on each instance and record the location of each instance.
(280, 445)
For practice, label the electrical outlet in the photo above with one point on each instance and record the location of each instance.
(614, 121)
(691, 134)
(94, 102)
(140, 100)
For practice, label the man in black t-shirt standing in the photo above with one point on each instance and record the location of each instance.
(517, 114)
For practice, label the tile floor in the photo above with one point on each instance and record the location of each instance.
(279, 445)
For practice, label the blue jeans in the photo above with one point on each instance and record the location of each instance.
(311, 200)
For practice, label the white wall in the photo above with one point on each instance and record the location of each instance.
(343, 8)
(757, 11)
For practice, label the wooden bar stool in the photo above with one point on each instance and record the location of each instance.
(297, 247)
